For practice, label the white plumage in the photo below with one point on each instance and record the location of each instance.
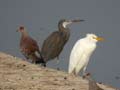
(81, 53)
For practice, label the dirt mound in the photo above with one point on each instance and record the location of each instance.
(16, 74)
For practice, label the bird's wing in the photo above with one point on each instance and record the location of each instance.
(82, 64)
(34, 45)
(29, 45)
(76, 54)
(51, 44)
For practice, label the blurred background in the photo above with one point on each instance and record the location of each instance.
(41, 17)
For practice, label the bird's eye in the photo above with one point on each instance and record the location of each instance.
(94, 37)
(21, 27)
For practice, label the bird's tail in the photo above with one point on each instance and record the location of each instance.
(40, 60)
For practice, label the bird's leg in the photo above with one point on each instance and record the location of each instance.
(84, 72)
(73, 74)
(58, 60)
(33, 61)
(26, 57)
(33, 58)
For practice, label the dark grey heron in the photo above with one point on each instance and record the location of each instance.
(29, 47)
(55, 42)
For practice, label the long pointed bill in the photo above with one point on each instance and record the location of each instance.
(71, 21)
(99, 39)
(79, 20)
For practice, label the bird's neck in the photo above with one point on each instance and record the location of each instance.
(63, 29)
(24, 34)
(65, 33)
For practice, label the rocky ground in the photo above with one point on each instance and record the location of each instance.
(16, 74)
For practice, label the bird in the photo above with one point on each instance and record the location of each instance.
(92, 83)
(55, 42)
(29, 47)
(81, 53)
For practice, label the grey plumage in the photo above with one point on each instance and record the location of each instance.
(54, 44)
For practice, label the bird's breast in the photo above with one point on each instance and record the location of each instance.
(89, 48)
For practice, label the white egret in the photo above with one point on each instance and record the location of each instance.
(81, 53)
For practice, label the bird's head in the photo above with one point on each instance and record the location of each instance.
(63, 22)
(94, 38)
(21, 29)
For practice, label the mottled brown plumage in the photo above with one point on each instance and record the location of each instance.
(29, 47)
(55, 43)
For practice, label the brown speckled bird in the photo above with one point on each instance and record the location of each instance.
(29, 47)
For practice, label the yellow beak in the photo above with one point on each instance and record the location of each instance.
(99, 39)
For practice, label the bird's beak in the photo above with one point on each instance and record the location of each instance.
(78, 20)
(99, 39)
(74, 21)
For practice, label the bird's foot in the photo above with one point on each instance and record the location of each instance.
(73, 73)
(58, 68)
(85, 75)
